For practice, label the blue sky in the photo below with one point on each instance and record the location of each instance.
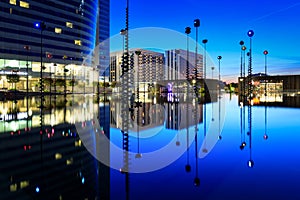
(224, 23)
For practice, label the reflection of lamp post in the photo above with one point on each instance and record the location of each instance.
(219, 80)
(187, 31)
(266, 135)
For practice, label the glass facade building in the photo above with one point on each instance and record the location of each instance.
(69, 38)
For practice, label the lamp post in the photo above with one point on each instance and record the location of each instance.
(266, 135)
(204, 86)
(187, 72)
(204, 67)
(41, 26)
(27, 70)
(219, 59)
(250, 34)
(196, 25)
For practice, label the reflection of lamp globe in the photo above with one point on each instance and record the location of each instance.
(266, 136)
(250, 163)
(204, 150)
(187, 168)
(138, 155)
(197, 182)
(177, 143)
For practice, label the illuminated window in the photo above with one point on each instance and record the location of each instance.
(77, 42)
(24, 4)
(58, 30)
(10, 11)
(14, 2)
(69, 24)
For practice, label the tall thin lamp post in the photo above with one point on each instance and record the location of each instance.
(204, 84)
(250, 34)
(196, 25)
(41, 26)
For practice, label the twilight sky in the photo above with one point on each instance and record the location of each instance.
(276, 25)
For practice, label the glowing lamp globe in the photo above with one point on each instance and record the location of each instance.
(197, 182)
(266, 136)
(250, 33)
(266, 52)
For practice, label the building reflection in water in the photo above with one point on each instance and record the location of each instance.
(262, 99)
(50, 162)
(56, 162)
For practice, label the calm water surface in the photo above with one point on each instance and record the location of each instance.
(52, 162)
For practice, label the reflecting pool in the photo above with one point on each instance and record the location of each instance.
(221, 148)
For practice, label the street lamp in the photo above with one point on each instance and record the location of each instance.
(187, 32)
(41, 26)
(204, 86)
(27, 48)
(204, 68)
(196, 25)
(250, 34)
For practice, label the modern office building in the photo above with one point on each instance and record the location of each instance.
(278, 88)
(176, 64)
(148, 65)
(58, 35)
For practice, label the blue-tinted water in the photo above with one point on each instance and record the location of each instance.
(59, 166)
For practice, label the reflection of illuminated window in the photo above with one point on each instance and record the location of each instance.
(77, 42)
(58, 30)
(69, 161)
(69, 24)
(24, 184)
(58, 156)
(13, 187)
(14, 2)
(24, 4)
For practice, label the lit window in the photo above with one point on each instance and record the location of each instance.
(10, 11)
(69, 24)
(14, 2)
(77, 42)
(58, 30)
(24, 4)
